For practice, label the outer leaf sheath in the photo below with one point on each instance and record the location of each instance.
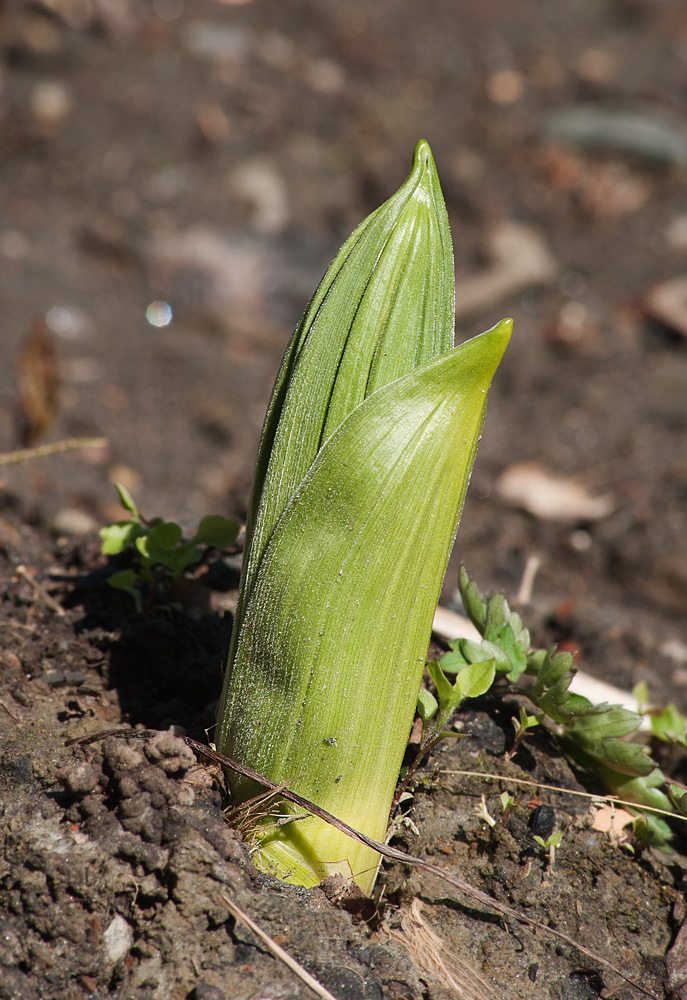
(329, 661)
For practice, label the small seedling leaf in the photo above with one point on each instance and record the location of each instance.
(626, 758)
(652, 831)
(678, 797)
(119, 536)
(216, 531)
(472, 651)
(453, 661)
(475, 679)
(669, 725)
(427, 705)
(444, 687)
(126, 580)
(603, 722)
(184, 556)
(641, 693)
(127, 501)
(165, 536)
(472, 602)
(160, 542)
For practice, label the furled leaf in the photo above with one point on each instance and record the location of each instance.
(385, 306)
(329, 659)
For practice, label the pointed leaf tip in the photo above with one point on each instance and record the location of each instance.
(500, 334)
(423, 155)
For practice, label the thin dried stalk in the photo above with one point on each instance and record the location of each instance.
(275, 949)
(55, 448)
(434, 958)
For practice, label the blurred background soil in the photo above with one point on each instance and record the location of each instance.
(175, 178)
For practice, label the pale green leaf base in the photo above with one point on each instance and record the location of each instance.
(307, 851)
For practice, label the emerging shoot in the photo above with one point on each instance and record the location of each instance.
(363, 465)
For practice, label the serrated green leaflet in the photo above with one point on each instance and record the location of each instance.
(329, 657)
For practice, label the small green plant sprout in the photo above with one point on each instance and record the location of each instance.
(361, 473)
(162, 556)
(507, 804)
(550, 845)
(522, 724)
(678, 796)
(594, 736)
(641, 693)
(482, 812)
(667, 723)
(669, 726)
(471, 681)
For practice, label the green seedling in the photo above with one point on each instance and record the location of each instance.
(594, 736)
(507, 804)
(669, 726)
(550, 845)
(678, 796)
(522, 724)
(362, 469)
(641, 693)
(162, 556)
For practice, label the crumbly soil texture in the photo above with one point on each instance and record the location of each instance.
(175, 178)
(116, 856)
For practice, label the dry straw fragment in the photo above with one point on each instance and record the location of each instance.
(435, 959)
(276, 950)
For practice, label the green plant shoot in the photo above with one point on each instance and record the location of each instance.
(162, 555)
(363, 465)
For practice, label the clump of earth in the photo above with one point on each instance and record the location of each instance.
(117, 857)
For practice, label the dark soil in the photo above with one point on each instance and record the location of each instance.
(213, 157)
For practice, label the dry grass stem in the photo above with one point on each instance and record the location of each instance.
(275, 950)
(435, 959)
(571, 791)
(55, 448)
(40, 591)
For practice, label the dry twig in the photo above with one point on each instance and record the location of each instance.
(275, 950)
(55, 448)
(50, 602)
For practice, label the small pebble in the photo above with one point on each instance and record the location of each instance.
(50, 104)
(118, 939)
(80, 779)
